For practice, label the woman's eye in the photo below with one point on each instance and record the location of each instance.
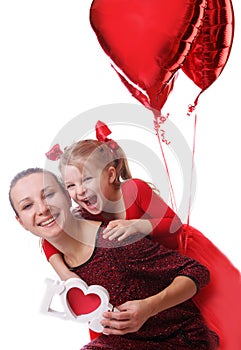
(26, 206)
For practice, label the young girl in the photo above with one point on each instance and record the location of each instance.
(97, 177)
(150, 285)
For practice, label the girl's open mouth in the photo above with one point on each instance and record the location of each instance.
(91, 201)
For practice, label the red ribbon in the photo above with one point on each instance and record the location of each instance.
(54, 153)
(102, 131)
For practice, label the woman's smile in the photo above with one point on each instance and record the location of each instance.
(49, 222)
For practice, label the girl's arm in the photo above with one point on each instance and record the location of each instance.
(146, 213)
(133, 314)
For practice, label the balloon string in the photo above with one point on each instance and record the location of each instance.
(192, 168)
(172, 196)
(191, 108)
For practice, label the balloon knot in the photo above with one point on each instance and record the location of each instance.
(158, 122)
(191, 108)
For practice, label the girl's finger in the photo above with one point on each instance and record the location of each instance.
(111, 233)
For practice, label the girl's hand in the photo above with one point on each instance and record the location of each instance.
(122, 229)
(132, 315)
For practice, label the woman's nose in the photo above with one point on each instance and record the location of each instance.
(42, 207)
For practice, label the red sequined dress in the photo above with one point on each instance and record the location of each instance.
(140, 269)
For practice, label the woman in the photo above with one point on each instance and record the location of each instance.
(150, 285)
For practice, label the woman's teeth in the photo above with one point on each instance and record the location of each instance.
(47, 222)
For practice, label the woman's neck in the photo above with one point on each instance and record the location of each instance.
(82, 230)
(77, 242)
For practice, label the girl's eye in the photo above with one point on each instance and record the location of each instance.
(69, 186)
(87, 178)
(49, 194)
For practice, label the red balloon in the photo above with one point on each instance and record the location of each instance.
(210, 52)
(148, 41)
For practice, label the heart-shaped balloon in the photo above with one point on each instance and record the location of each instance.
(210, 51)
(148, 41)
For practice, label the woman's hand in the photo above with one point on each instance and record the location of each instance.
(129, 318)
(122, 229)
(133, 314)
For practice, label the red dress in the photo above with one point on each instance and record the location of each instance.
(140, 269)
(220, 301)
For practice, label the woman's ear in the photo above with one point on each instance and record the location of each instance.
(111, 174)
(20, 221)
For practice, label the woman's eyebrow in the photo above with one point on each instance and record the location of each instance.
(23, 200)
(41, 192)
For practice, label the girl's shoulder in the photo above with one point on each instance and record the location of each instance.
(136, 185)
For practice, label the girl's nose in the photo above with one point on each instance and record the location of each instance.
(81, 190)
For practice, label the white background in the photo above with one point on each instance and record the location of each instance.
(53, 69)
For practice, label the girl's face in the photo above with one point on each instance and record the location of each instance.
(91, 188)
(41, 205)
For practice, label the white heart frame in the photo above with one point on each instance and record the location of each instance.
(61, 288)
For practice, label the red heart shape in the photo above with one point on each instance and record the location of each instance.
(82, 304)
(210, 52)
(148, 40)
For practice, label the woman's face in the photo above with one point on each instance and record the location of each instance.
(41, 205)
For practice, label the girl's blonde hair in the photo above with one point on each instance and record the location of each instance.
(101, 153)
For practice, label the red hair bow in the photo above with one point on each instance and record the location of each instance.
(54, 153)
(102, 131)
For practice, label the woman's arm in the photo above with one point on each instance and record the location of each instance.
(181, 289)
(55, 258)
(56, 261)
(133, 314)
